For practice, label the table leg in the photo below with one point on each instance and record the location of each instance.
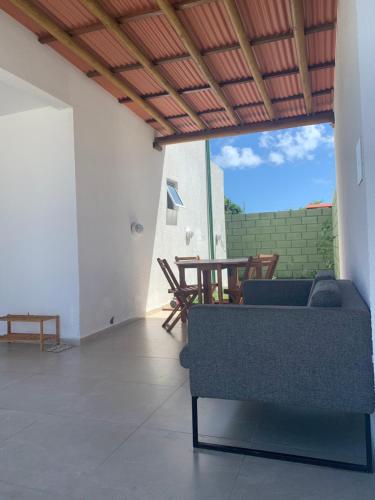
(181, 271)
(207, 289)
(41, 336)
(9, 328)
(220, 284)
(232, 279)
(232, 276)
(199, 283)
(57, 329)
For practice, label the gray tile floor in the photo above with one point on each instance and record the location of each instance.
(111, 421)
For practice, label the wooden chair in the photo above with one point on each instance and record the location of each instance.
(268, 263)
(184, 296)
(199, 276)
(236, 293)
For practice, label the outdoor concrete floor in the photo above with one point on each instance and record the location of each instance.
(111, 421)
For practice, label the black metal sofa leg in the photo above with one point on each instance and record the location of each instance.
(368, 467)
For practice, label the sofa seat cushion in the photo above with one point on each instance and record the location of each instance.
(326, 293)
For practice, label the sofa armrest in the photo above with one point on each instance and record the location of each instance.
(184, 357)
(310, 357)
(277, 292)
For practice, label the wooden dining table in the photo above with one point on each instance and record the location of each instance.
(206, 267)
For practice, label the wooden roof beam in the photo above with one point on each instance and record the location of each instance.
(299, 37)
(114, 28)
(180, 29)
(49, 25)
(249, 54)
(298, 121)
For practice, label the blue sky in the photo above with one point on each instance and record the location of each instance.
(278, 170)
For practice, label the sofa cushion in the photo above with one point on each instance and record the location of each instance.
(324, 274)
(326, 293)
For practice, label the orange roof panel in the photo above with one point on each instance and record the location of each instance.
(269, 28)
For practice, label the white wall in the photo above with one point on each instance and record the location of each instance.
(187, 167)
(38, 264)
(366, 44)
(218, 214)
(351, 198)
(120, 178)
(355, 118)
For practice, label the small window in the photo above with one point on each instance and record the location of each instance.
(174, 199)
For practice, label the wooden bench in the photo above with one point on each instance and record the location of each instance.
(40, 337)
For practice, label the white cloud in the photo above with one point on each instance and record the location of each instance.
(233, 157)
(265, 140)
(276, 158)
(297, 145)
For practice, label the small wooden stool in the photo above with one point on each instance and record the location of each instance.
(30, 337)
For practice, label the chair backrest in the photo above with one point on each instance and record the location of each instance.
(168, 273)
(249, 269)
(268, 262)
(195, 257)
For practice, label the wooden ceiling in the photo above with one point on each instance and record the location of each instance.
(197, 69)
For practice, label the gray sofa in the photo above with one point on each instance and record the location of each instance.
(297, 342)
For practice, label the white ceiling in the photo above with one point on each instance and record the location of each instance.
(17, 95)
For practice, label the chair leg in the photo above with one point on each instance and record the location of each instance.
(176, 320)
(170, 316)
(166, 324)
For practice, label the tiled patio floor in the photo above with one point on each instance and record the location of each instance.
(111, 421)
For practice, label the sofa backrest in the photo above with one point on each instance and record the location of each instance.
(325, 293)
(292, 292)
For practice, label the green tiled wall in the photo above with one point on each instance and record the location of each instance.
(298, 236)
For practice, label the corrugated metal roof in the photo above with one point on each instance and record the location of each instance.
(125, 7)
(227, 65)
(265, 17)
(209, 26)
(202, 101)
(70, 13)
(253, 115)
(155, 36)
(284, 87)
(321, 47)
(108, 48)
(183, 74)
(245, 93)
(319, 11)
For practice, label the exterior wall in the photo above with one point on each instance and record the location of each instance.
(187, 167)
(351, 198)
(218, 214)
(302, 238)
(355, 118)
(120, 179)
(39, 265)
(335, 241)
